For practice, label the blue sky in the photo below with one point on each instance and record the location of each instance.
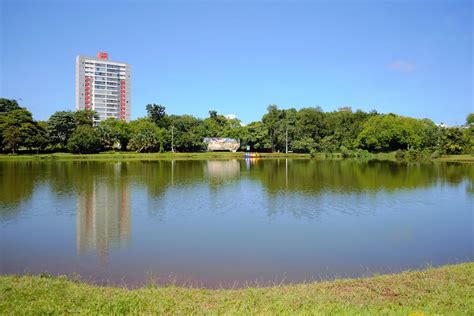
(408, 57)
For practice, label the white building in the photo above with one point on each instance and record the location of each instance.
(103, 86)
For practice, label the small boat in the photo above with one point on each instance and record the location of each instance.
(251, 155)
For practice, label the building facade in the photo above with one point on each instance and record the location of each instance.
(103, 86)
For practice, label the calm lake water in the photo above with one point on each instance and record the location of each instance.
(232, 222)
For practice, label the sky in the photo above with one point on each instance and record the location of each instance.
(413, 58)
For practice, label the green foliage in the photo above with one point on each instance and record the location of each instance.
(435, 155)
(304, 145)
(114, 133)
(470, 119)
(212, 114)
(85, 117)
(157, 114)
(145, 136)
(400, 155)
(35, 135)
(454, 141)
(383, 133)
(61, 125)
(329, 144)
(7, 105)
(85, 140)
(188, 133)
(19, 129)
(354, 153)
(11, 137)
(469, 133)
(308, 130)
(272, 119)
(256, 136)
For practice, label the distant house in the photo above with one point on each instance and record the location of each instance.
(222, 144)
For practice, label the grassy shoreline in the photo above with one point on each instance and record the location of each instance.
(457, 158)
(444, 290)
(130, 156)
(144, 156)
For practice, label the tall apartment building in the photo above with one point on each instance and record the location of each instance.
(104, 86)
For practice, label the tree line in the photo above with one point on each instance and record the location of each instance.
(308, 130)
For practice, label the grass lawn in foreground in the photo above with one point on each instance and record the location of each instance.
(444, 290)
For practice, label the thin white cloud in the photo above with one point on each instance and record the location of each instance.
(402, 66)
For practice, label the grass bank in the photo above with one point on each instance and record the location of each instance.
(445, 290)
(143, 156)
(458, 158)
(128, 156)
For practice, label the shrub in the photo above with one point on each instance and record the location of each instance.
(436, 154)
(400, 155)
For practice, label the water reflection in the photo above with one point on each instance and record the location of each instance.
(225, 169)
(233, 220)
(104, 213)
(19, 180)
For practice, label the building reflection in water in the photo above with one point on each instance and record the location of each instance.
(222, 169)
(104, 212)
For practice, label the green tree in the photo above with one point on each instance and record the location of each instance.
(7, 105)
(188, 133)
(85, 117)
(256, 136)
(212, 114)
(114, 133)
(470, 119)
(61, 125)
(454, 141)
(157, 114)
(344, 126)
(303, 145)
(39, 140)
(311, 123)
(217, 125)
(232, 129)
(11, 138)
(391, 132)
(33, 136)
(271, 121)
(85, 140)
(469, 133)
(19, 129)
(145, 136)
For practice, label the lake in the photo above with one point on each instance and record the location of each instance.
(229, 223)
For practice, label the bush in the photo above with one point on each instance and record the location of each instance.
(362, 153)
(346, 153)
(400, 155)
(436, 154)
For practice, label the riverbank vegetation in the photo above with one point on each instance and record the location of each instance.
(131, 156)
(445, 290)
(127, 155)
(308, 130)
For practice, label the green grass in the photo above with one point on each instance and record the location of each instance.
(117, 156)
(445, 290)
(457, 158)
(143, 156)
